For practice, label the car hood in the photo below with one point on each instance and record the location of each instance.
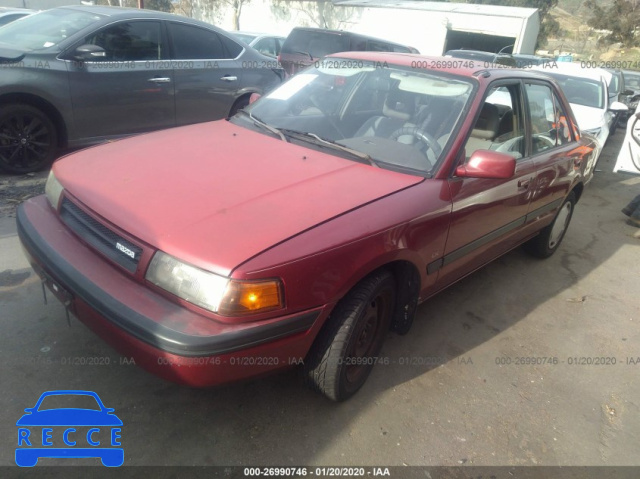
(216, 194)
(588, 117)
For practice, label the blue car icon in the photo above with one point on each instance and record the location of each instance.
(63, 431)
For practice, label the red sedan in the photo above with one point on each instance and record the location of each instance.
(308, 225)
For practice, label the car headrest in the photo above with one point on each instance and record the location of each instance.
(399, 104)
(488, 122)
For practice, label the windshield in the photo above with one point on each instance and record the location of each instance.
(45, 29)
(395, 117)
(580, 91)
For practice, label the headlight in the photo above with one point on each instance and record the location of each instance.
(53, 189)
(216, 293)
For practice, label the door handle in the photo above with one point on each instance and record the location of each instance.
(524, 183)
(160, 80)
(229, 78)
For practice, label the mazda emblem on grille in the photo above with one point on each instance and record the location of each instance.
(126, 250)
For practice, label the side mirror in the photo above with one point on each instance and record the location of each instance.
(618, 106)
(488, 164)
(89, 52)
(627, 92)
(254, 97)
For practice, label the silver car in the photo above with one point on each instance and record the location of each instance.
(8, 15)
(75, 76)
(265, 43)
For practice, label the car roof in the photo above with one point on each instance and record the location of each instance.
(256, 34)
(577, 70)
(15, 10)
(124, 13)
(449, 65)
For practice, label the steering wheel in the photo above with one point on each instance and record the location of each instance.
(314, 102)
(420, 135)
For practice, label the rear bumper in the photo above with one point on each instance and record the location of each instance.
(162, 336)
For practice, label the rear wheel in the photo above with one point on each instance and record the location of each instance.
(549, 239)
(346, 349)
(28, 139)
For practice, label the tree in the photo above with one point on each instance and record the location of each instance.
(621, 20)
(205, 10)
(548, 25)
(236, 10)
(160, 5)
(318, 13)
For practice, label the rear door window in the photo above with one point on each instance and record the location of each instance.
(193, 43)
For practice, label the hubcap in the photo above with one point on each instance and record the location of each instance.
(560, 225)
(25, 141)
(361, 355)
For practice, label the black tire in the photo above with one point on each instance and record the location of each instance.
(28, 139)
(346, 349)
(549, 239)
(614, 125)
(239, 105)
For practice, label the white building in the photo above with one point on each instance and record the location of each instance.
(435, 27)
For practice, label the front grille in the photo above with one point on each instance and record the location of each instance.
(107, 242)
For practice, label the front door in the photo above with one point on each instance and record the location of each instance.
(130, 90)
(488, 214)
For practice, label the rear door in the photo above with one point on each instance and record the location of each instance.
(488, 215)
(207, 70)
(554, 149)
(129, 90)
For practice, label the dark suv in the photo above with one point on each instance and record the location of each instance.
(304, 46)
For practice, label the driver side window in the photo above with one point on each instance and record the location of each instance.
(500, 125)
(129, 41)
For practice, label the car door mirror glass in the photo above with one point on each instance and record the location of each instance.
(89, 52)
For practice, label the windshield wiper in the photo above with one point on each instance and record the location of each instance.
(305, 53)
(332, 144)
(263, 125)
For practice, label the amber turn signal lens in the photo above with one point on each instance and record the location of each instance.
(243, 298)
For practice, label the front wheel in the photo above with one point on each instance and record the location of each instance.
(347, 347)
(28, 139)
(549, 239)
(239, 105)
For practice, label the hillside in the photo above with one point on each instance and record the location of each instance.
(579, 39)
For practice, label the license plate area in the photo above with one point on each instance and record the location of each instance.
(64, 296)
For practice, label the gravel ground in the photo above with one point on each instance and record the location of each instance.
(14, 189)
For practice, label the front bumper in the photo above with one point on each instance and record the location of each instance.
(162, 336)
